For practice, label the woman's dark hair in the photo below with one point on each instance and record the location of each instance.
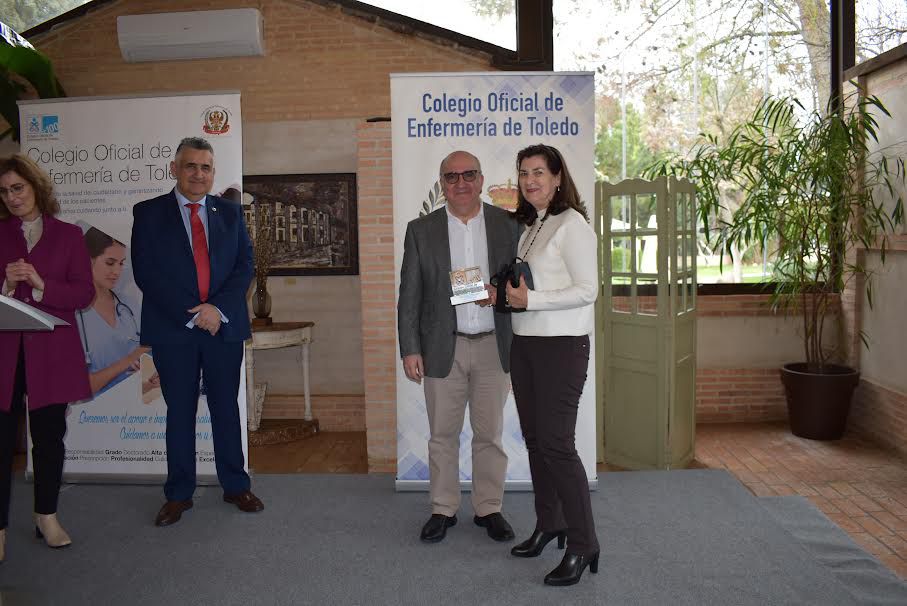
(566, 196)
(40, 183)
(97, 242)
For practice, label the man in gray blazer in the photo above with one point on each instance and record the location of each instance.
(463, 351)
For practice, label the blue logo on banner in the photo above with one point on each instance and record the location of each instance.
(42, 127)
(50, 125)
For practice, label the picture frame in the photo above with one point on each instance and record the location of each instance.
(312, 220)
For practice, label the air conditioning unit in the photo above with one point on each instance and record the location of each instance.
(191, 35)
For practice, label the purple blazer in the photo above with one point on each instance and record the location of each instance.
(55, 369)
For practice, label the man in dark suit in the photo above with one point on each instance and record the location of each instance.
(192, 259)
(463, 351)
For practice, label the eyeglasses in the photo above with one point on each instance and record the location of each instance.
(468, 175)
(18, 188)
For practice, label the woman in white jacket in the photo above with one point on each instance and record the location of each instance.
(550, 355)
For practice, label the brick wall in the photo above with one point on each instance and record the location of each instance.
(376, 262)
(739, 395)
(320, 62)
(335, 412)
(719, 305)
(880, 414)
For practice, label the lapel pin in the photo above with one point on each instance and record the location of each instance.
(214, 208)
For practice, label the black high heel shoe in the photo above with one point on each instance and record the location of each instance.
(534, 545)
(570, 570)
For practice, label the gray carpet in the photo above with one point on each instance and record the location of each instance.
(683, 537)
(865, 578)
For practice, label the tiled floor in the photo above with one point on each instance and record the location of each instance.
(861, 487)
(333, 452)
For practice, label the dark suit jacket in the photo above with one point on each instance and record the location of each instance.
(165, 270)
(55, 369)
(426, 320)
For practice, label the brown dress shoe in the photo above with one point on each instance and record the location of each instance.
(245, 501)
(171, 512)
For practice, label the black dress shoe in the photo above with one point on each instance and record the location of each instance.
(497, 527)
(534, 545)
(435, 528)
(571, 568)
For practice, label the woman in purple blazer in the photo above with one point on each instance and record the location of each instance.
(44, 263)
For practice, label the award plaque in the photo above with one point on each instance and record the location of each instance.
(467, 286)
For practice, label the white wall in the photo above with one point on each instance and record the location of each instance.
(332, 302)
(753, 341)
(884, 324)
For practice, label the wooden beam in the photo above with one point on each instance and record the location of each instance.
(534, 37)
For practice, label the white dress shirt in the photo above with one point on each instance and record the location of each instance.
(186, 214)
(469, 248)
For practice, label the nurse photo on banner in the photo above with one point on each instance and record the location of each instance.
(109, 328)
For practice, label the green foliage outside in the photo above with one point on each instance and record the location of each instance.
(608, 148)
(811, 187)
(24, 72)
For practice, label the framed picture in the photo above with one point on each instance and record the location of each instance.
(310, 220)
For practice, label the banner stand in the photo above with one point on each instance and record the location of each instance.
(104, 155)
(491, 115)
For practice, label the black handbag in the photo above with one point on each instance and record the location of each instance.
(510, 272)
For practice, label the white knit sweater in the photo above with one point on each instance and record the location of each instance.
(564, 263)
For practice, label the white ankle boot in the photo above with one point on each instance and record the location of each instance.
(47, 527)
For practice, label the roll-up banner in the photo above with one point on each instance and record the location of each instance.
(103, 156)
(492, 115)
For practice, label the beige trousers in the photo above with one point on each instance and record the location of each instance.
(478, 380)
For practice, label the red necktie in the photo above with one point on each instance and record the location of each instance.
(200, 252)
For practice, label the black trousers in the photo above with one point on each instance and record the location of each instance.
(48, 426)
(548, 374)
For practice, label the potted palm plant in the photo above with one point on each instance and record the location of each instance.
(810, 188)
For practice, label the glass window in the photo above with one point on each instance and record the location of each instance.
(881, 26)
(493, 21)
(667, 72)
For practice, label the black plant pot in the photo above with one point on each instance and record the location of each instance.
(818, 403)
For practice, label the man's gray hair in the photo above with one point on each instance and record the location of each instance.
(447, 157)
(194, 143)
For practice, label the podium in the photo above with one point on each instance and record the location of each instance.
(22, 317)
(18, 316)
